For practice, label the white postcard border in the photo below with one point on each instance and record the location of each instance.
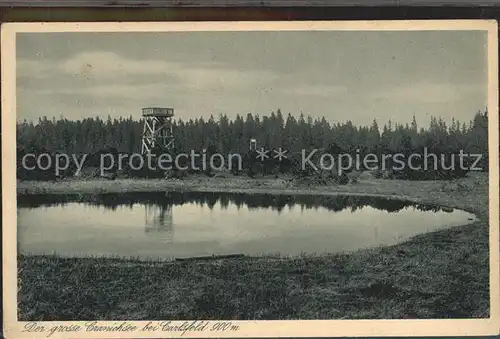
(298, 328)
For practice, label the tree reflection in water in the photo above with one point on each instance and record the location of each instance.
(164, 202)
(159, 221)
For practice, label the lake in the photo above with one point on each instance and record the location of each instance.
(179, 225)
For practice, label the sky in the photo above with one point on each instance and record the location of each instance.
(349, 75)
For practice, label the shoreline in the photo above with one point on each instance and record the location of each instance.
(424, 192)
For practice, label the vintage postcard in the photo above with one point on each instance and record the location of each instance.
(250, 179)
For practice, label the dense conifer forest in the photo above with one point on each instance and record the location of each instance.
(223, 135)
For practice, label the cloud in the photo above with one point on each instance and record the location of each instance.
(106, 66)
(36, 69)
(101, 82)
(431, 93)
(315, 90)
(114, 90)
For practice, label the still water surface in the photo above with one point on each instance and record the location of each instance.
(175, 225)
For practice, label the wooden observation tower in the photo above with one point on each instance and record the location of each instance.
(157, 132)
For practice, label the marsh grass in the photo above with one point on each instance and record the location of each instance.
(443, 274)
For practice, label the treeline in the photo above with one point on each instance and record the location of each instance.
(223, 135)
(93, 134)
